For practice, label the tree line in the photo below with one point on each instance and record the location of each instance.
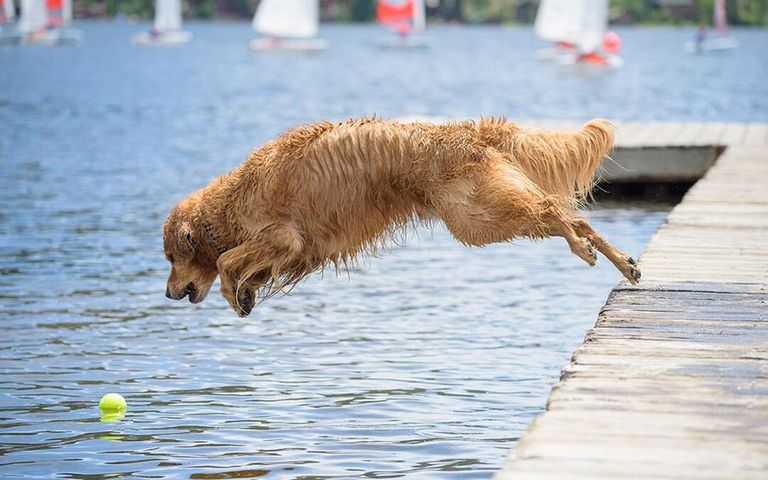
(740, 12)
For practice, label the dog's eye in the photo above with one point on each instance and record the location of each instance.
(169, 257)
(191, 240)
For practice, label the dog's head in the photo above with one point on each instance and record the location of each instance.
(192, 273)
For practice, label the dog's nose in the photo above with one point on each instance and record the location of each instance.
(177, 296)
(190, 289)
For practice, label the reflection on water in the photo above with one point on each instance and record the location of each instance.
(429, 360)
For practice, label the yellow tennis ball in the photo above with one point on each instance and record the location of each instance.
(112, 403)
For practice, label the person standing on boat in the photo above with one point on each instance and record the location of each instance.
(701, 36)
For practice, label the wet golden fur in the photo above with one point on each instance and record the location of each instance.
(326, 193)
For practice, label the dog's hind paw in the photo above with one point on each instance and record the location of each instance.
(592, 251)
(584, 249)
(631, 272)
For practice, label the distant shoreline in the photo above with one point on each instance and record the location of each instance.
(470, 12)
(238, 19)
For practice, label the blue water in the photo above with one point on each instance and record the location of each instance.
(429, 361)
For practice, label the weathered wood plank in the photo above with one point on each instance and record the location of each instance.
(755, 135)
(627, 134)
(710, 134)
(733, 134)
(684, 455)
(688, 134)
(643, 136)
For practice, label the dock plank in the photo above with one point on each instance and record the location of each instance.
(733, 134)
(628, 134)
(755, 135)
(710, 134)
(689, 133)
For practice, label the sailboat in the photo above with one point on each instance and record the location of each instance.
(7, 11)
(60, 22)
(33, 18)
(721, 41)
(578, 30)
(46, 23)
(287, 25)
(8, 34)
(407, 18)
(166, 29)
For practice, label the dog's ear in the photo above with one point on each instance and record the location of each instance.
(188, 233)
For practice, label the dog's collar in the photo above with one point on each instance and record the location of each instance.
(209, 231)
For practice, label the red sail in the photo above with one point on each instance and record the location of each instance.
(55, 12)
(3, 17)
(396, 15)
(720, 17)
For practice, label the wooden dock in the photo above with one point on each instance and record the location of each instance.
(672, 382)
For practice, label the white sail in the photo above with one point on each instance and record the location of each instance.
(9, 12)
(581, 22)
(66, 12)
(419, 16)
(34, 16)
(287, 18)
(167, 15)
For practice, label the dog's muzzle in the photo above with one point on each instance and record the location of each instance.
(190, 289)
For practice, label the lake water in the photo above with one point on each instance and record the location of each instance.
(427, 362)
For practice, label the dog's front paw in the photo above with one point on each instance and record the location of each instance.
(246, 299)
(240, 298)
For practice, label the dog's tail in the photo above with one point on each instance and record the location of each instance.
(564, 164)
(595, 142)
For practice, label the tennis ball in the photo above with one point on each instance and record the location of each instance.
(112, 403)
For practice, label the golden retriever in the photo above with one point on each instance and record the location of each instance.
(325, 193)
